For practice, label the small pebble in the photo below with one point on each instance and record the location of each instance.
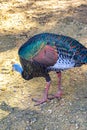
(70, 103)
(14, 91)
(28, 128)
(22, 100)
(33, 120)
(82, 109)
(3, 88)
(46, 128)
(60, 115)
(27, 122)
(72, 121)
(31, 113)
(23, 93)
(77, 116)
(15, 117)
(29, 103)
(50, 111)
(8, 121)
(77, 126)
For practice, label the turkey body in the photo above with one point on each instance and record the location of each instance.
(50, 52)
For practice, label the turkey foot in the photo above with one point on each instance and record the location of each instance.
(45, 97)
(57, 95)
(38, 102)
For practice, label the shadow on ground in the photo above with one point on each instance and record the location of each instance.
(18, 22)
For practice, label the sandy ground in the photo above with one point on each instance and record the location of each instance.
(19, 20)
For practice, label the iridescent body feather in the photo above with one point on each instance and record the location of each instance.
(63, 53)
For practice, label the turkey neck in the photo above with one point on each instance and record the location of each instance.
(33, 68)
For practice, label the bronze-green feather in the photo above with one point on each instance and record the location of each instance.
(34, 45)
(37, 42)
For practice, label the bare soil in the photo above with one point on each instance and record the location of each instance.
(19, 20)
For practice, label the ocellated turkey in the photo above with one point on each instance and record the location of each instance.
(47, 52)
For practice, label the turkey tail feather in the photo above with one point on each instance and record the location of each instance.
(84, 56)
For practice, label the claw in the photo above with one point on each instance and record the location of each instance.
(57, 95)
(45, 96)
(38, 102)
(53, 97)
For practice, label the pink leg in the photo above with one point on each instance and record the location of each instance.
(59, 93)
(45, 97)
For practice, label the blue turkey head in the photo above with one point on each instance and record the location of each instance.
(18, 68)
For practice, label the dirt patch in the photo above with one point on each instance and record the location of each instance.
(19, 20)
